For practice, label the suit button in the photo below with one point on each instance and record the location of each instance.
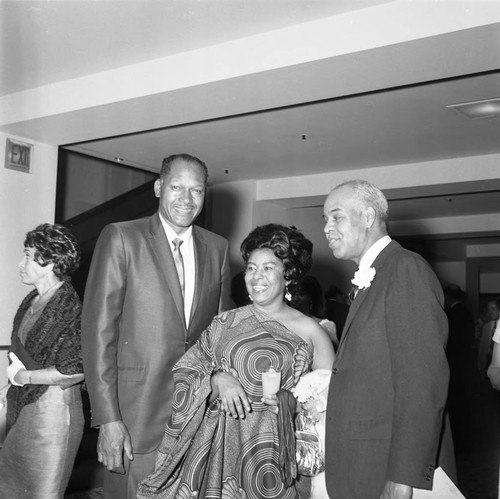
(335, 370)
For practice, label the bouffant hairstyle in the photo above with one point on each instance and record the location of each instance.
(167, 163)
(55, 244)
(287, 243)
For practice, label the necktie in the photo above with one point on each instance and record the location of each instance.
(179, 261)
(352, 293)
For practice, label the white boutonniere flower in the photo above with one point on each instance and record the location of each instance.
(363, 277)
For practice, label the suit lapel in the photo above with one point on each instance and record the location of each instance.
(200, 258)
(363, 293)
(165, 261)
(360, 296)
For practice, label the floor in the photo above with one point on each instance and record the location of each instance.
(477, 447)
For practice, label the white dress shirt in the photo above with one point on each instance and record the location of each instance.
(373, 251)
(496, 333)
(369, 257)
(187, 251)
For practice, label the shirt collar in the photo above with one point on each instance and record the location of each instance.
(171, 234)
(373, 251)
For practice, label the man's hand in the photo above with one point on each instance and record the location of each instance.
(231, 393)
(396, 491)
(114, 440)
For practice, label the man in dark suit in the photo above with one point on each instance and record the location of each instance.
(460, 353)
(148, 298)
(389, 380)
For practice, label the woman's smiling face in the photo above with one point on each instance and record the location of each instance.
(264, 277)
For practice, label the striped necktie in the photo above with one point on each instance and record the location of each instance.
(179, 261)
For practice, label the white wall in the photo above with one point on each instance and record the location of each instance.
(490, 283)
(451, 273)
(26, 200)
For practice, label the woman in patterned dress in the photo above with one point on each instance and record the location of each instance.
(44, 408)
(222, 439)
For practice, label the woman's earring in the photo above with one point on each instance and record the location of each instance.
(288, 295)
(250, 297)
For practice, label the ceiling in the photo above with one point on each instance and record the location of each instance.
(81, 37)
(364, 108)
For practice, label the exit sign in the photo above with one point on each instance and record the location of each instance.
(18, 155)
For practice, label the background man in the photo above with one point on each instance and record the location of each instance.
(390, 377)
(461, 359)
(336, 308)
(142, 311)
(485, 346)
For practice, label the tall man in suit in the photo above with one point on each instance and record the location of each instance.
(148, 298)
(390, 377)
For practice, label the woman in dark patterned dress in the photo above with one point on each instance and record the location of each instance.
(44, 409)
(222, 440)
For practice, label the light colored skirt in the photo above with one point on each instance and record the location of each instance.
(37, 457)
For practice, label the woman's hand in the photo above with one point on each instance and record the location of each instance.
(19, 376)
(272, 402)
(16, 371)
(233, 397)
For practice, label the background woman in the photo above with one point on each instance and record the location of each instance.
(307, 297)
(44, 412)
(222, 439)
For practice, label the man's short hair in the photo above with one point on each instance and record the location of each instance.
(369, 195)
(166, 165)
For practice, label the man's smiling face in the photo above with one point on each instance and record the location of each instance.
(345, 225)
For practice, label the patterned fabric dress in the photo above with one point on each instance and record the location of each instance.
(205, 454)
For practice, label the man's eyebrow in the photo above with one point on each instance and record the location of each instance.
(333, 210)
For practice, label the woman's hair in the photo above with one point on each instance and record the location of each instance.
(54, 244)
(287, 243)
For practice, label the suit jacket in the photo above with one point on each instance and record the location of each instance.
(389, 382)
(337, 312)
(133, 326)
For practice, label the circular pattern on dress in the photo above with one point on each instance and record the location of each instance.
(260, 478)
(183, 395)
(251, 354)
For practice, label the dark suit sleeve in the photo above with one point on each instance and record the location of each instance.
(416, 333)
(225, 302)
(102, 308)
